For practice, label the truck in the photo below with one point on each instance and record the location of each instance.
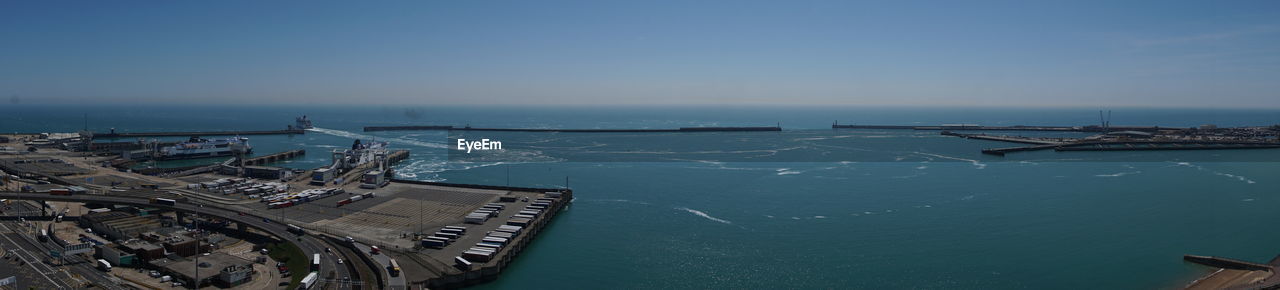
(308, 281)
(433, 243)
(164, 201)
(476, 218)
(500, 235)
(315, 262)
(104, 265)
(481, 256)
(462, 263)
(296, 230)
(394, 268)
(462, 229)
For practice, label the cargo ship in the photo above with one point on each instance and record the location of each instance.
(198, 147)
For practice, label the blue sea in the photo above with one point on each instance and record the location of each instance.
(808, 207)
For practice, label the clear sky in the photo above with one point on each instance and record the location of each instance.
(966, 53)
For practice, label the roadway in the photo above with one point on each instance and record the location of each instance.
(308, 244)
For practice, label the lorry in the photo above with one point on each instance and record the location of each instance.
(164, 201)
(308, 281)
(104, 265)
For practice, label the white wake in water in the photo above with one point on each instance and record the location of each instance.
(354, 135)
(703, 214)
(980, 165)
(1118, 174)
(1224, 174)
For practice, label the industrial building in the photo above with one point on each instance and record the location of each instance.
(173, 242)
(119, 225)
(144, 250)
(116, 256)
(218, 269)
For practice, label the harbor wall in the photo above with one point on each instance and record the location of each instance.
(114, 134)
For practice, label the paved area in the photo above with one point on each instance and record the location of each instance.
(397, 211)
(45, 164)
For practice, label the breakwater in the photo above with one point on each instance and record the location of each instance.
(970, 127)
(677, 130)
(114, 134)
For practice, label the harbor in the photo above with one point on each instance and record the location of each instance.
(393, 233)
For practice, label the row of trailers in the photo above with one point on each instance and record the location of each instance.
(284, 200)
(495, 240)
(488, 248)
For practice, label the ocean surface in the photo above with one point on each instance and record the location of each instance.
(809, 207)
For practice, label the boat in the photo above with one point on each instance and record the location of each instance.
(197, 147)
(303, 123)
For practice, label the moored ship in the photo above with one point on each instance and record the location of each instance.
(198, 147)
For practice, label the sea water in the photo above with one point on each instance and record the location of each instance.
(809, 207)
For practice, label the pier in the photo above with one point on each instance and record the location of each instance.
(965, 127)
(272, 158)
(1126, 141)
(114, 134)
(449, 276)
(677, 130)
(1024, 140)
(974, 127)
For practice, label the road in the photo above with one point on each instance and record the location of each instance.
(28, 267)
(308, 244)
(397, 282)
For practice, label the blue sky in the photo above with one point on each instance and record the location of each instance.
(949, 53)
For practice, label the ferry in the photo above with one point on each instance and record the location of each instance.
(198, 147)
(303, 123)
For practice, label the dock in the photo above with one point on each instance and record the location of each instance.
(1096, 143)
(114, 134)
(1011, 139)
(965, 127)
(276, 157)
(451, 277)
(677, 130)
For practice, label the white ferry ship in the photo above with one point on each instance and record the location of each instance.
(198, 147)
